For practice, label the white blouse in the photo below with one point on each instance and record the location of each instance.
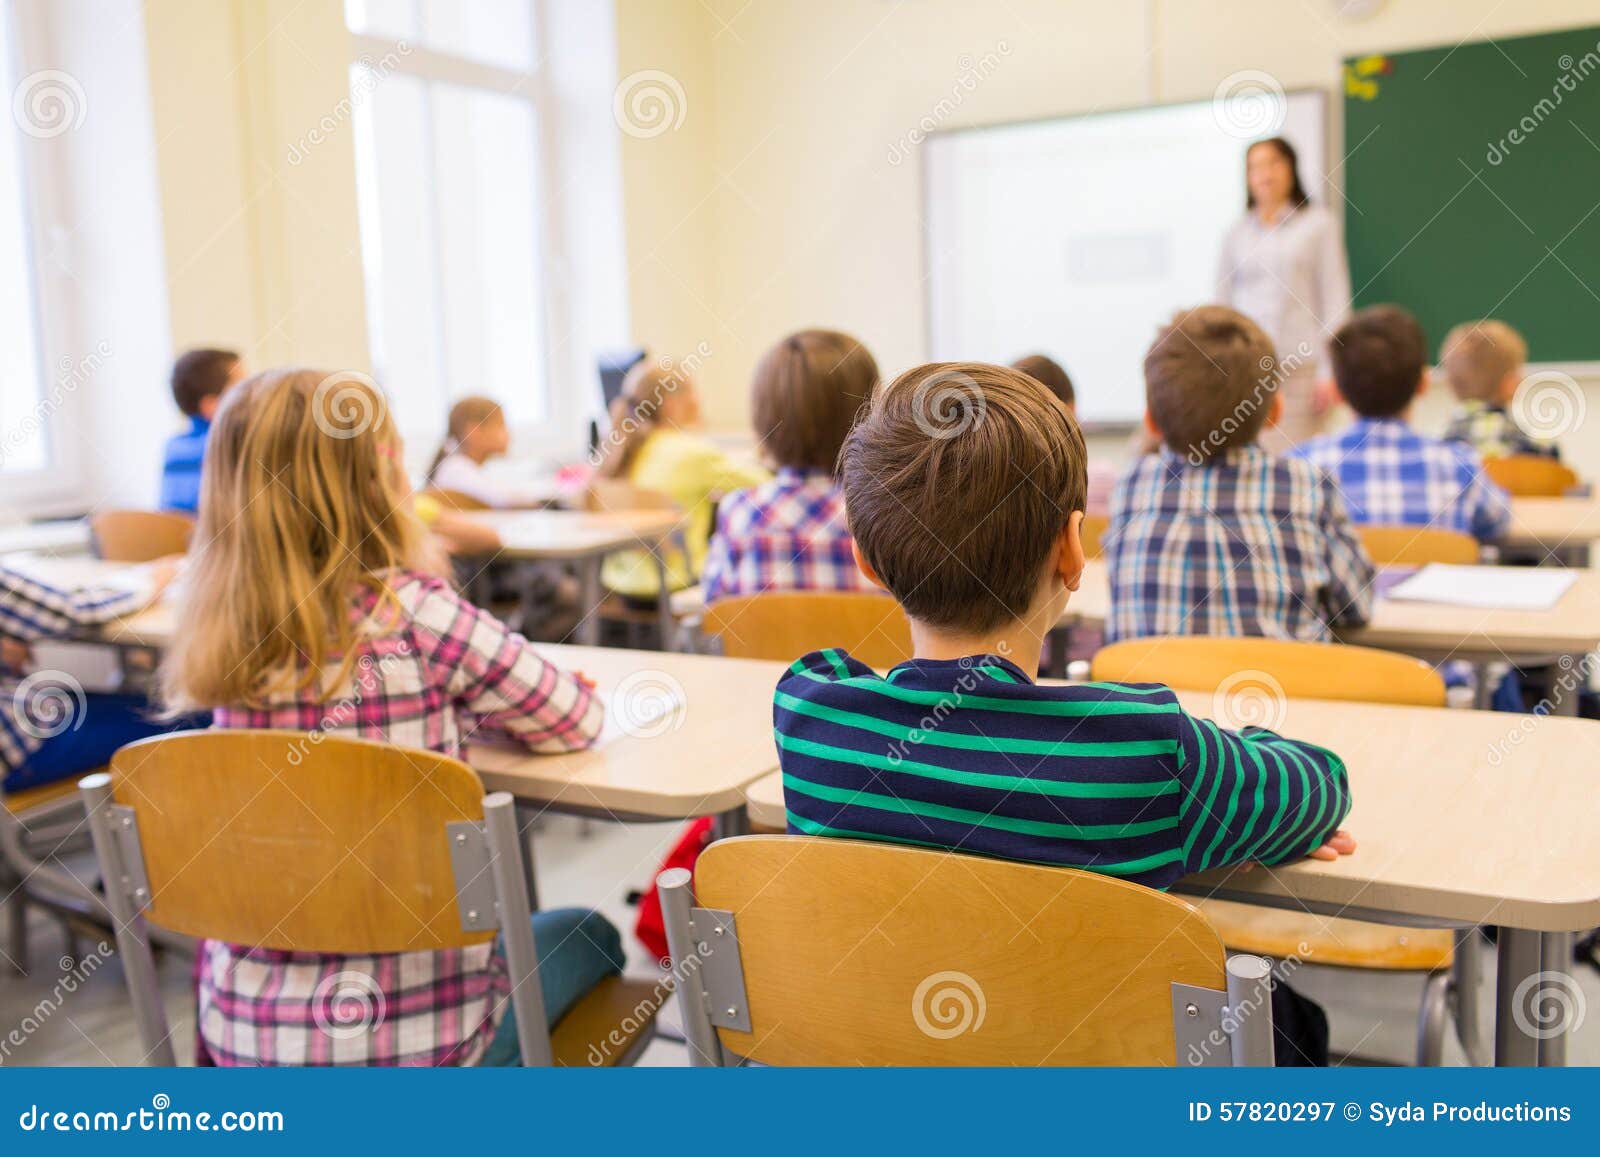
(459, 473)
(1290, 277)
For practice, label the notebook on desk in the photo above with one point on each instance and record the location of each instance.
(1496, 588)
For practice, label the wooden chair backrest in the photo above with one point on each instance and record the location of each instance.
(1094, 526)
(1530, 476)
(613, 494)
(785, 625)
(1303, 670)
(860, 953)
(140, 535)
(1417, 545)
(297, 840)
(456, 500)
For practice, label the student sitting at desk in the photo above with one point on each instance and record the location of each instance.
(1389, 473)
(976, 534)
(1484, 362)
(476, 433)
(1213, 535)
(309, 607)
(790, 534)
(199, 379)
(53, 729)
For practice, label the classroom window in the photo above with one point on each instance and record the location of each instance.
(447, 110)
(24, 402)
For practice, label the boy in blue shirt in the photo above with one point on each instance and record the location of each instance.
(199, 379)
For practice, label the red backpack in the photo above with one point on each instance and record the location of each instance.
(650, 928)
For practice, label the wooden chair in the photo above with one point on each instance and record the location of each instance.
(334, 845)
(784, 625)
(456, 500)
(1316, 671)
(1306, 670)
(139, 535)
(1530, 476)
(792, 950)
(1094, 526)
(1418, 545)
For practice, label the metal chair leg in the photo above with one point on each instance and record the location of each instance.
(1431, 1019)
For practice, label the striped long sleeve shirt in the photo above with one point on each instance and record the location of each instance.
(972, 755)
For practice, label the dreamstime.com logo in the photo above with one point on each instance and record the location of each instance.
(948, 404)
(348, 1004)
(1549, 404)
(49, 103)
(648, 703)
(947, 1004)
(347, 404)
(1250, 699)
(1249, 104)
(49, 703)
(1548, 1004)
(160, 1117)
(648, 103)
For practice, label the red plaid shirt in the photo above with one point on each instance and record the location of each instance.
(445, 672)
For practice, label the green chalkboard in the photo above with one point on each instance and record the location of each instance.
(1472, 178)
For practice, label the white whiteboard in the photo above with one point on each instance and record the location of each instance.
(1076, 237)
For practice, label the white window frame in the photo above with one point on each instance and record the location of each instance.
(59, 487)
(557, 433)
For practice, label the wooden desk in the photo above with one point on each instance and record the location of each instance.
(693, 760)
(1463, 818)
(1433, 631)
(1564, 527)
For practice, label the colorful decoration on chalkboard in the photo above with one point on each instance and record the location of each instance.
(1361, 76)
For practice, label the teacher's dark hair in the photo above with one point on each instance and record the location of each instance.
(1297, 191)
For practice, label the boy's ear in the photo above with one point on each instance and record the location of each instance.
(1153, 430)
(1427, 379)
(208, 406)
(1509, 384)
(1275, 411)
(865, 567)
(1069, 558)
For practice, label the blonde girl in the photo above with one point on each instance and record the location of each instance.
(652, 446)
(309, 605)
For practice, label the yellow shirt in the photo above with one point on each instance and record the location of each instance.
(693, 472)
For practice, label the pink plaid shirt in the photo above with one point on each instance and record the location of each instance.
(443, 673)
(789, 534)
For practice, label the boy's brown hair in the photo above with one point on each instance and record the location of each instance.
(958, 481)
(1378, 357)
(201, 374)
(805, 395)
(1049, 374)
(1209, 380)
(1479, 355)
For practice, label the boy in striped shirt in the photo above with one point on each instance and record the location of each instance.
(964, 485)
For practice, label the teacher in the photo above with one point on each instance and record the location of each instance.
(1283, 266)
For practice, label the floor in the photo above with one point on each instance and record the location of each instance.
(81, 1017)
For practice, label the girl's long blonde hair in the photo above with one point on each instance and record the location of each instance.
(465, 416)
(303, 503)
(635, 415)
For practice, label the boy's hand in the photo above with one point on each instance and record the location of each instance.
(1341, 843)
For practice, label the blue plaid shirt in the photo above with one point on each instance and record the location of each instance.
(789, 534)
(1390, 475)
(1246, 544)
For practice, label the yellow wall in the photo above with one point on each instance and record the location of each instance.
(262, 253)
(805, 219)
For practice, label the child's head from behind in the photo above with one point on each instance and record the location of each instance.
(1049, 374)
(1211, 382)
(1483, 361)
(477, 428)
(805, 395)
(200, 378)
(653, 395)
(1380, 361)
(961, 481)
(303, 502)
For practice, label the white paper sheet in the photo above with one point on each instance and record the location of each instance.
(1500, 588)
